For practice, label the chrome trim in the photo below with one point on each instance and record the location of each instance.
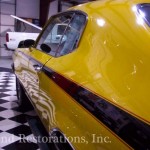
(58, 130)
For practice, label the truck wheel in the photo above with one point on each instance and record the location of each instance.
(23, 101)
(21, 44)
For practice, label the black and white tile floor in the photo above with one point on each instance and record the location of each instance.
(15, 132)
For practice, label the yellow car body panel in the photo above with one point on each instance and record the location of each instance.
(112, 61)
(117, 64)
(82, 130)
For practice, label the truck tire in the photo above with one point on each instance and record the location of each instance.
(23, 101)
(21, 44)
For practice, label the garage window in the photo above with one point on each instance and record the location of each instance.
(144, 10)
(63, 33)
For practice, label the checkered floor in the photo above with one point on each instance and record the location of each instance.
(15, 132)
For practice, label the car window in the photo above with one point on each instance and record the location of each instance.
(144, 10)
(53, 35)
(63, 33)
(72, 35)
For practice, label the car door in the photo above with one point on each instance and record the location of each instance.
(36, 60)
(54, 105)
(21, 63)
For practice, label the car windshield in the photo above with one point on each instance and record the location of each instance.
(144, 10)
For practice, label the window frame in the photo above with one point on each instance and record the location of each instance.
(57, 15)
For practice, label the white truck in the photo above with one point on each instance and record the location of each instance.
(13, 39)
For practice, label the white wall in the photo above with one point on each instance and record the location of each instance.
(65, 6)
(28, 8)
(53, 8)
(7, 8)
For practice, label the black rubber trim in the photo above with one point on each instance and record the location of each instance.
(12, 67)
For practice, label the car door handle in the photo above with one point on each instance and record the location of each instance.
(37, 68)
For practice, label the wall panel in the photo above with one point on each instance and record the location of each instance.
(7, 20)
(30, 8)
(7, 9)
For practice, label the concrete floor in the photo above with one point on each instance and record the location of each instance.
(5, 62)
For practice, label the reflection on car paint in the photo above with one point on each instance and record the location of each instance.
(132, 130)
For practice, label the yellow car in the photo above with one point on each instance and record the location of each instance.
(88, 76)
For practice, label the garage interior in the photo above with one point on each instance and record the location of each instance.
(13, 122)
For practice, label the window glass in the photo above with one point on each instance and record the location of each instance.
(61, 29)
(53, 34)
(62, 34)
(144, 10)
(72, 34)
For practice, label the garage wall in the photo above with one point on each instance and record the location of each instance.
(31, 12)
(31, 8)
(53, 8)
(65, 6)
(7, 23)
(7, 8)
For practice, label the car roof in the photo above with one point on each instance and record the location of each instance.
(95, 5)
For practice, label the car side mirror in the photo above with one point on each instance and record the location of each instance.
(28, 43)
(45, 48)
